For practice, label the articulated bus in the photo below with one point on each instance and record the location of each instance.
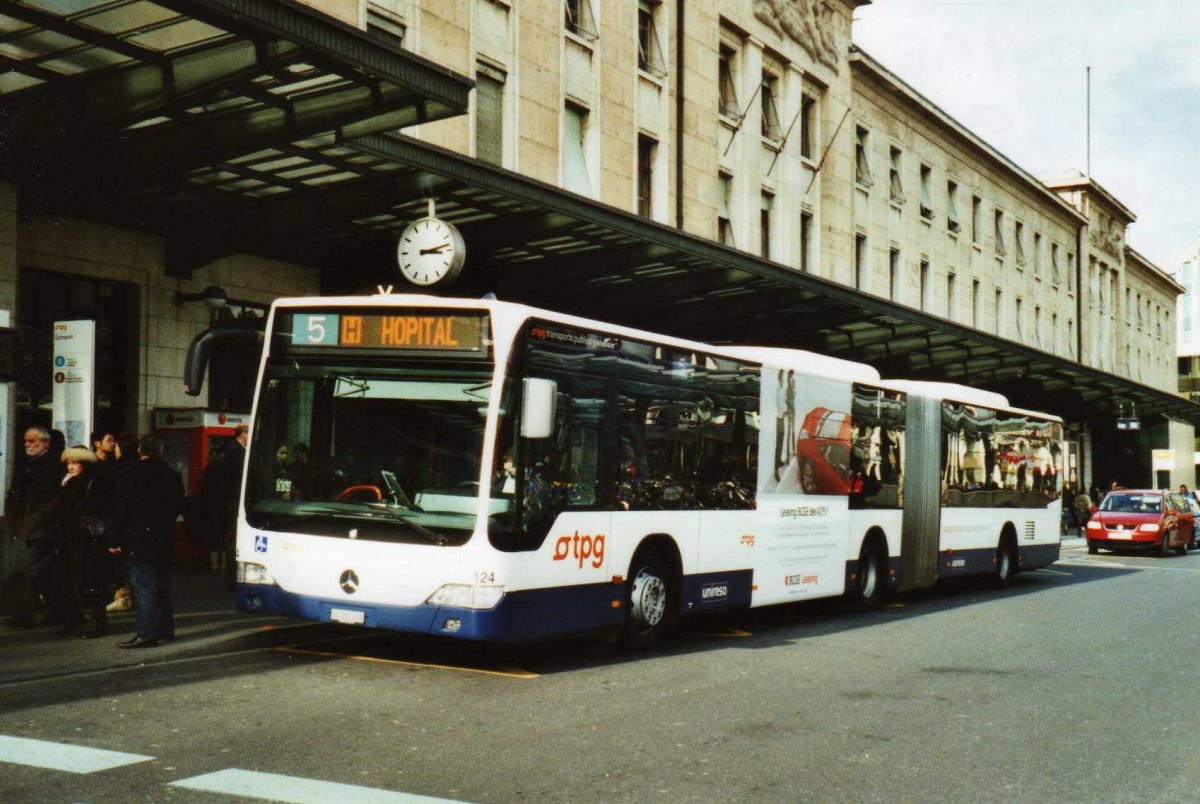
(488, 471)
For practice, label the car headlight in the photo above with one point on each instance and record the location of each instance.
(1094, 525)
(467, 596)
(253, 573)
(1149, 527)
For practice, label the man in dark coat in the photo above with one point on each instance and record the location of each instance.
(149, 498)
(220, 486)
(31, 517)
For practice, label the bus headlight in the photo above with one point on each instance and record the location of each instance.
(467, 596)
(253, 573)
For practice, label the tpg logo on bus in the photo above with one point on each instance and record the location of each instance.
(581, 547)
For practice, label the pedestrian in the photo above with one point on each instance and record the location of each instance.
(1083, 509)
(220, 487)
(86, 498)
(126, 457)
(31, 518)
(145, 536)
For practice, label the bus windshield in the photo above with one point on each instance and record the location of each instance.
(369, 452)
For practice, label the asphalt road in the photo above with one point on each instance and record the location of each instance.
(1076, 684)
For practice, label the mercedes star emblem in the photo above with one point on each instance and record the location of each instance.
(349, 581)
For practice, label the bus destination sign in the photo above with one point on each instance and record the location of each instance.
(408, 330)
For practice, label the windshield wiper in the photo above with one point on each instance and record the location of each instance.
(403, 515)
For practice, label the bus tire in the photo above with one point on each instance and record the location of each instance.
(870, 588)
(1006, 561)
(648, 596)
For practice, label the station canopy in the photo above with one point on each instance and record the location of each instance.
(265, 127)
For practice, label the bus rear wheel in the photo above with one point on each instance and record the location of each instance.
(871, 586)
(1006, 562)
(647, 602)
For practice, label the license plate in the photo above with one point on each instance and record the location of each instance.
(1120, 534)
(347, 616)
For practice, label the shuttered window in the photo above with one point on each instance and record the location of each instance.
(489, 116)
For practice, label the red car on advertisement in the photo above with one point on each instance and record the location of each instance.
(823, 452)
(1142, 520)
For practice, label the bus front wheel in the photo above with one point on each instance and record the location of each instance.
(647, 601)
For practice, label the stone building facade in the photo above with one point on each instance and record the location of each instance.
(752, 123)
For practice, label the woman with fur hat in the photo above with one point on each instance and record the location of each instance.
(85, 501)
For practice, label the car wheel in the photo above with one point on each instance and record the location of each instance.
(808, 477)
(1164, 548)
(1093, 548)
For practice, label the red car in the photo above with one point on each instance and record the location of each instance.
(1142, 520)
(823, 452)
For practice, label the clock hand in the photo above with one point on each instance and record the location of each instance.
(435, 249)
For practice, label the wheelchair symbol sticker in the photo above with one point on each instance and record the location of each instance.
(260, 544)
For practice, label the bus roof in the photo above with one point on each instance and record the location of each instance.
(965, 394)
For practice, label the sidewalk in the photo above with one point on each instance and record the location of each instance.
(206, 622)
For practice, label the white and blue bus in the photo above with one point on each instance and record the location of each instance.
(489, 471)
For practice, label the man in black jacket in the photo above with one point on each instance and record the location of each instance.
(31, 516)
(149, 497)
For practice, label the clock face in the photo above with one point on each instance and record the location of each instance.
(430, 252)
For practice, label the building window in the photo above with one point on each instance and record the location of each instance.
(894, 274)
(997, 307)
(1071, 337)
(862, 167)
(1055, 266)
(952, 223)
(385, 24)
(726, 83)
(575, 168)
(771, 129)
(1001, 248)
(926, 195)
(645, 181)
(724, 203)
(951, 301)
(976, 219)
(489, 115)
(1054, 333)
(925, 288)
(860, 260)
(764, 225)
(650, 56)
(1019, 242)
(579, 19)
(1037, 254)
(976, 301)
(805, 241)
(1070, 272)
(808, 126)
(1037, 327)
(897, 186)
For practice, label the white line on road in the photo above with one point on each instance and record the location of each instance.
(63, 757)
(276, 787)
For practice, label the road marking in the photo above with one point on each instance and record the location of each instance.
(514, 672)
(277, 787)
(63, 756)
(1055, 572)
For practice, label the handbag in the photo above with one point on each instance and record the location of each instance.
(93, 524)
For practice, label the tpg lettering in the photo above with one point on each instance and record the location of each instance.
(581, 547)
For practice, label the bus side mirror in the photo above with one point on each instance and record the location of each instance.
(537, 412)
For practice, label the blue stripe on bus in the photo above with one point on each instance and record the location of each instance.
(983, 560)
(520, 616)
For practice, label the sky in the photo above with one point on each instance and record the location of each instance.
(1015, 72)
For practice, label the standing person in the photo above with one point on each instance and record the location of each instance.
(221, 486)
(31, 517)
(86, 497)
(298, 472)
(145, 536)
(126, 457)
